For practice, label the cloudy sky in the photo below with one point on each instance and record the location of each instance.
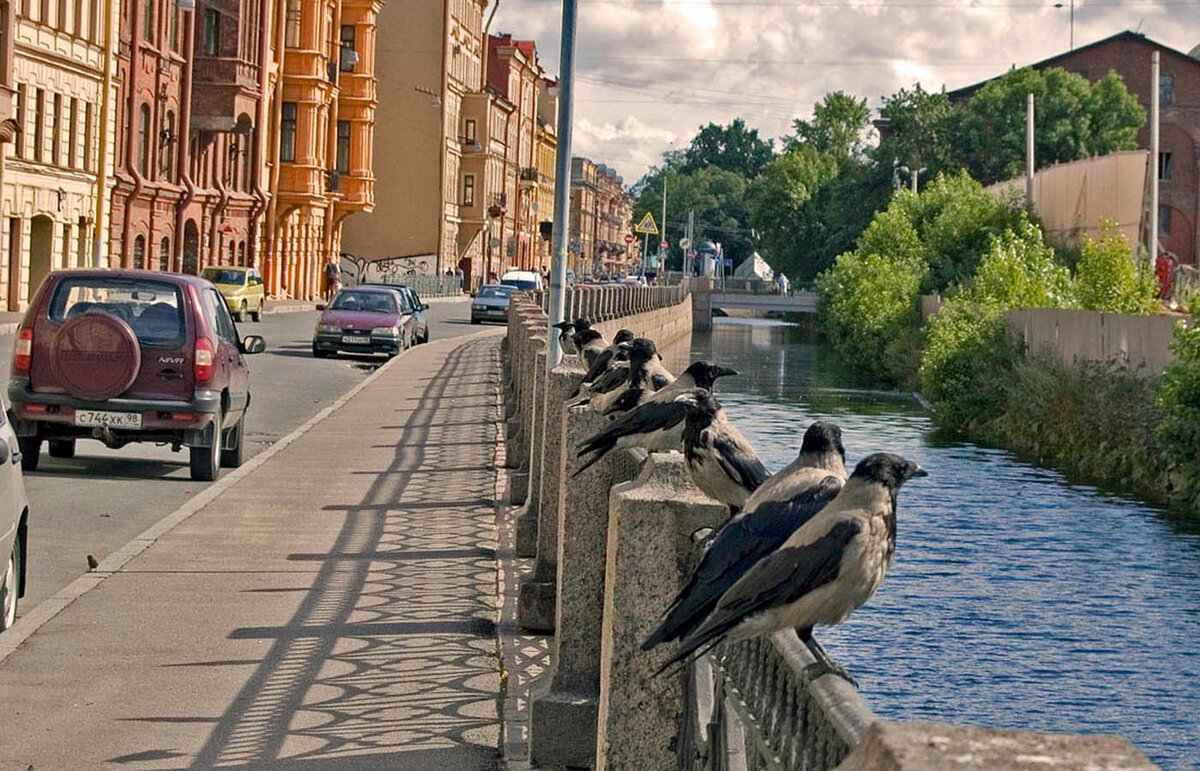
(649, 72)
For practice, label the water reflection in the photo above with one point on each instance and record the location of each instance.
(1017, 599)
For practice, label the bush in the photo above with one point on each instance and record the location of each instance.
(868, 306)
(1020, 271)
(1178, 399)
(1107, 279)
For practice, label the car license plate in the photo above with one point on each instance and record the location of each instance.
(356, 340)
(105, 419)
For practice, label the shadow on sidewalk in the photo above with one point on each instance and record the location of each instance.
(390, 659)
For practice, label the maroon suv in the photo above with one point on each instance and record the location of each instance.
(131, 356)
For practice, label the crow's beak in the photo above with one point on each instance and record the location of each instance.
(917, 472)
(625, 346)
(725, 371)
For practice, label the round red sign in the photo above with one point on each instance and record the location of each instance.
(629, 238)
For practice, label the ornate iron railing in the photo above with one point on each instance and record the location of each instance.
(750, 706)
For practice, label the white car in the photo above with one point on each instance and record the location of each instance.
(14, 521)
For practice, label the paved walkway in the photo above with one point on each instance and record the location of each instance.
(334, 609)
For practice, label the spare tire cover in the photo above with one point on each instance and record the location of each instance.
(95, 356)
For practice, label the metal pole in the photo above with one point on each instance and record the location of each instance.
(1072, 25)
(562, 186)
(1029, 160)
(663, 235)
(1154, 106)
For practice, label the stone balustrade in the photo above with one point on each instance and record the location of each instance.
(613, 544)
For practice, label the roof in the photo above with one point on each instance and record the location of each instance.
(1054, 61)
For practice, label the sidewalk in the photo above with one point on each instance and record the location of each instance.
(334, 609)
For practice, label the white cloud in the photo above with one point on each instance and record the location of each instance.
(652, 71)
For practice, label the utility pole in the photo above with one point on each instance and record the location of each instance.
(1154, 107)
(562, 176)
(663, 235)
(1029, 160)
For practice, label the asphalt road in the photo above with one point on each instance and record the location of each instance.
(101, 499)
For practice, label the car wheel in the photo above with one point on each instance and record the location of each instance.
(240, 316)
(31, 452)
(233, 453)
(10, 585)
(256, 316)
(205, 462)
(475, 320)
(62, 448)
(425, 337)
(318, 353)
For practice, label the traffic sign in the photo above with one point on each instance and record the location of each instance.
(647, 225)
(685, 243)
(629, 238)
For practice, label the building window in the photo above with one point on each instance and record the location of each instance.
(168, 141)
(469, 131)
(291, 33)
(22, 132)
(73, 134)
(287, 133)
(343, 147)
(1164, 221)
(39, 116)
(66, 246)
(164, 254)
(87, 137)
(1164, 167)
(173, 31)
(242, 253)
(139, 253)
(468, 196)
(148, 19)
(1166, 90)
(56, 131)
(349, 54)
(62, 17)
(210, 40)
(143, 146)
(79, 17)
(231, 249)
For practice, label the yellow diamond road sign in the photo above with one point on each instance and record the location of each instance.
(647, 225)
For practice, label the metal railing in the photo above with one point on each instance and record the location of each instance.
(750, 706)
(604, 303)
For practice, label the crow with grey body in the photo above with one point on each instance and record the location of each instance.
(566, 339)
(718, 458)
(590, 344)
(636, 388)
(829, 567)
(656, 424)
(578, 327)
(610, 354)
(777, 509)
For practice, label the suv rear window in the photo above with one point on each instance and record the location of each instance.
(153, 309)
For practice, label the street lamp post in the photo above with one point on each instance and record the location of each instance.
(562, 190)
(1072, 4)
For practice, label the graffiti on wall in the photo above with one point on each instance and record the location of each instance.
(356, 270)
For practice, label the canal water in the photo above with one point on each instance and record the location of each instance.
(1016, 599)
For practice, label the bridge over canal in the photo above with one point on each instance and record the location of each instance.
(705, 302)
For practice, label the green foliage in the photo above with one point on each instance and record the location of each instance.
(732, 148)
(1107, 278)
(718, 198)
(1020, 271)
(781, 207)
(836, 128)
(1178, 398)
(922, 132)
(1074, 119)
(868, 306)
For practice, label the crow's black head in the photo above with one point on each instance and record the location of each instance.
(699, 401)
(822, 437)
(587, 336)
(564, 326)
(705, 373)
(582, 324)
(887, 469)
(642, 349)
(623, 336)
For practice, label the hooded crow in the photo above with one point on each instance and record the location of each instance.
(823, 572)
(636, 387)
(579, 326)
(718, 458)
(656, 424)
(610, 354)
(781, 505)
(590, 344)
(565, 339)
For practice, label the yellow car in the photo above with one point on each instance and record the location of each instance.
(242, 289)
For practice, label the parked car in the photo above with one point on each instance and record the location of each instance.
(413, 305)
(491, 304)
(14, 523)
(366, 319)
(523, 280)
(242, 289)
(131, 356)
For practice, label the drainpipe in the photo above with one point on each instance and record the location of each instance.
(260, 196)
(98, 231)
(272, 250)
(335, 102)
(444, 92)
(183, 159)
(130, 144)
(220, 162)
(487, 33)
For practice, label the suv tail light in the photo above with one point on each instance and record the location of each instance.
(206, 358)
(23, 351)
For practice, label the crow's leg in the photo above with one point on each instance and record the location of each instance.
(824, 665)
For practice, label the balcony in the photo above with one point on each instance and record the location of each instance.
(226, 94)
(498, 205)
(529, 178)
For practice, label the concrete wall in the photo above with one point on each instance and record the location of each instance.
(1074, 335)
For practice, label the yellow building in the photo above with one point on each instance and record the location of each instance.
(322, 105)
(58, 164)
(546, 145)
(428, 69)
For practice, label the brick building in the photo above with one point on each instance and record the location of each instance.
(1128, 54)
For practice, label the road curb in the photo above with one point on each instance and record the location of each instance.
(46, 610)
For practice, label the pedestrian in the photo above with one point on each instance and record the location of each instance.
(333, 279)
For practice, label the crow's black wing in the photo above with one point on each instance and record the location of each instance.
(599, 365)
(643, 419)
(739, 460)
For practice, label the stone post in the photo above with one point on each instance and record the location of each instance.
(535, 603)
(564, 700)
(514, 434)
(650, 551)
(527, 520)
(522, 442)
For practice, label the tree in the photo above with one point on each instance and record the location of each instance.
(717, 198)
(733, 148)
(922, 131)
(1074, 119)
(781, 209)
(837, 127)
